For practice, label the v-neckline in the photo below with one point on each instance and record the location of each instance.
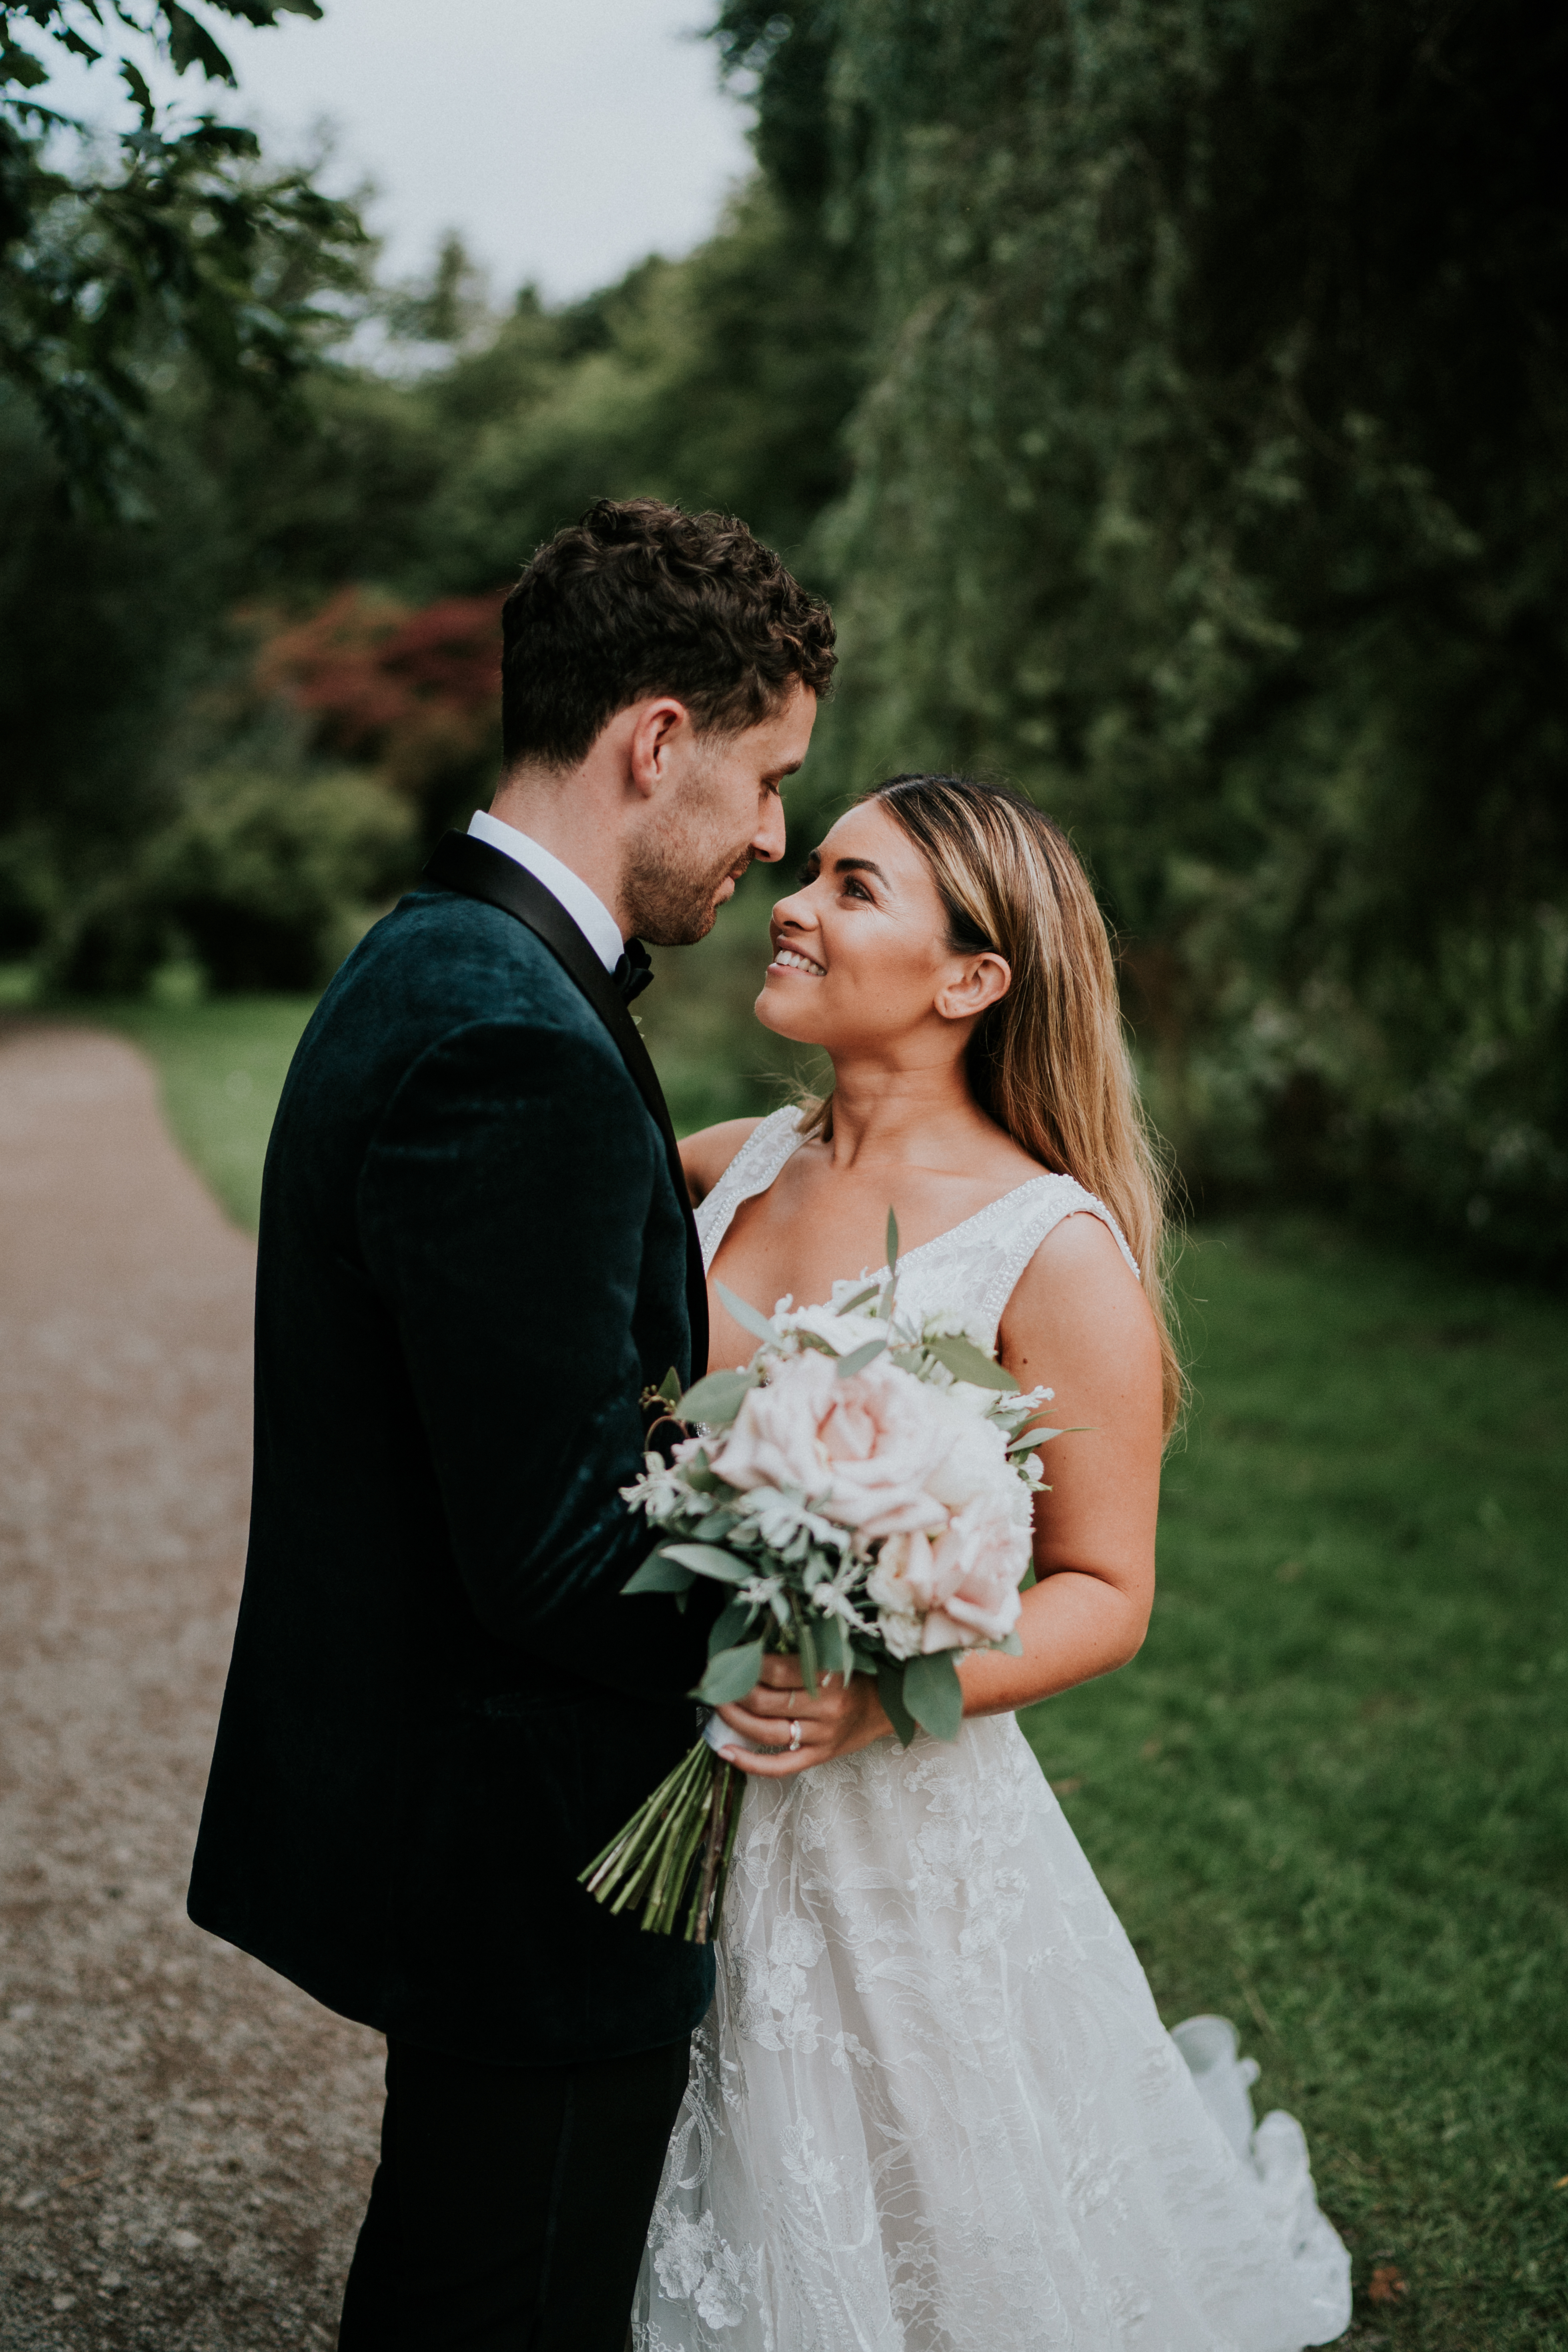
(1046, 1175)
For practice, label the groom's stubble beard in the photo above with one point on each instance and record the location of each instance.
(676, 869)
(671, 905)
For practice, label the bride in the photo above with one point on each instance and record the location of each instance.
(932, 2107)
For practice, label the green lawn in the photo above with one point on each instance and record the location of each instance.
(1328, 1800)
(221, 1064)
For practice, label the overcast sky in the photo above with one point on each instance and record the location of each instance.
(565, 138)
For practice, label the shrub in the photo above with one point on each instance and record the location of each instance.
(265, 880)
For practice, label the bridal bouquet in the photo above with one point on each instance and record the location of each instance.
(865, 1490)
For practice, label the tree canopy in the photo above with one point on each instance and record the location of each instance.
(1208, 482)
(182, 235)
(1171, 396)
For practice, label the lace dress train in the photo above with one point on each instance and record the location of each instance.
(932, 2107)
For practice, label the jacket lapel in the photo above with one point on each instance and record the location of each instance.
(460, 862)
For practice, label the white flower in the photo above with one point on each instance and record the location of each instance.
(973, 1462)
(833, 1601)
(780, 1520)
(842, 1333)
(660, 1493)
(902, 1634)
(952, 1325)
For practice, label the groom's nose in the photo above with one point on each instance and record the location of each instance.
(768, 840)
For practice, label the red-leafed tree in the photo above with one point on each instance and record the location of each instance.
(415, 693)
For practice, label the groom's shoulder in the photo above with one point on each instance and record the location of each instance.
(440, 976)
(441, 962)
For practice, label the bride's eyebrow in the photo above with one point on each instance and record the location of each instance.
(859, 865)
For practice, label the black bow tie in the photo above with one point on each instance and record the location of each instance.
(634, 971)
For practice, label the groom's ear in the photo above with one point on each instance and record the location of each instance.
(658, 732)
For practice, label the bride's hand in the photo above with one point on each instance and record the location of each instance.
(835, 1722)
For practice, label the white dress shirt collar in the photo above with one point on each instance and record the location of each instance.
(586, 908)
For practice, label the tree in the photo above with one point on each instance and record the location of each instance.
(189, 241)
(1208, 481)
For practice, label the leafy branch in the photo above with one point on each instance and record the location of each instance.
(188, 243)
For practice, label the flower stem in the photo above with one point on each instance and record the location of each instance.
(674, 1853)
(716, 1850)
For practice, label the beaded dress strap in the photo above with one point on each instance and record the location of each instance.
(770, 1143)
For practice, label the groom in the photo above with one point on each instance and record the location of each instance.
(475, 1254)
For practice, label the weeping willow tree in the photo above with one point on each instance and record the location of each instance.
(1210, 484)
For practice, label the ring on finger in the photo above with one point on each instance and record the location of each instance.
(794, 1736)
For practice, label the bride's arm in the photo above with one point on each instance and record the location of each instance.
(1077, 1323)
(705, 1155)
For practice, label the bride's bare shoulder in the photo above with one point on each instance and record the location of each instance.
(1080, 1309)
(707, 1154)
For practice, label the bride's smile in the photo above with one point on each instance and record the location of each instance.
(863, 956)
(789, 960)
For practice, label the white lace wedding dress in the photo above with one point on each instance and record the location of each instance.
(932, 2107)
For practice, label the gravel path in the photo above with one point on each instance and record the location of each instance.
(186, 2141)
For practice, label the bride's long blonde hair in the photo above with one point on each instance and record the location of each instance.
(1049, 1061)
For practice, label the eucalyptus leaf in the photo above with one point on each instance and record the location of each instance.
(890, 1691)
(658, 1574)
(965, 1362)
(669, 1387)
(870, 1291)
(731, 1674)
(808, 1666)
(709, 1561)
(733, 1620)
(859, 1357)
(832, 1649)
(715, 1399)
(892, 1242)
(714, 1527)
(1033, 1437)
(933, 1694)
(746, 1317)
(1010, 1646)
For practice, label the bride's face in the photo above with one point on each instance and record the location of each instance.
(861, 958)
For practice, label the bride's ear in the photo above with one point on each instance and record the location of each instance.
(979, 980)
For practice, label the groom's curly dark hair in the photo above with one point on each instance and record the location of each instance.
(640, 598)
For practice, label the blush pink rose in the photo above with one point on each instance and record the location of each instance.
(774, 1440)
(878, 1434)
(973, 1458)
(904, 1579)
(975, 1570)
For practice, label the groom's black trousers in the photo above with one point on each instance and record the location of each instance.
(509, 2207)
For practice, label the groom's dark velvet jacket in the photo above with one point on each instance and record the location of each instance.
(472, 1261)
